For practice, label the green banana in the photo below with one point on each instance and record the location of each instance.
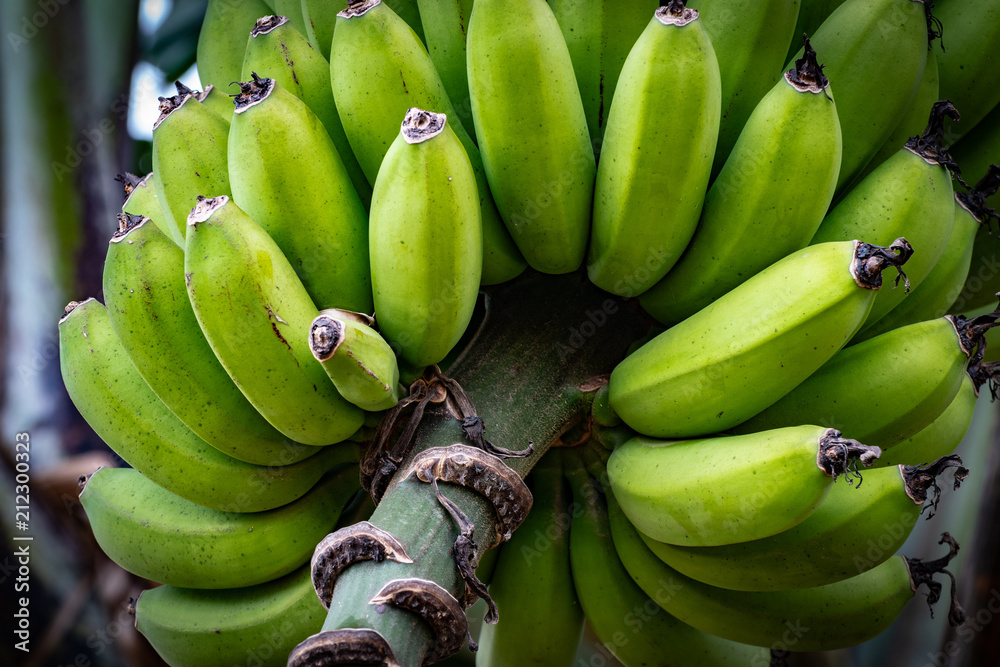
(875, 51)
(979, 148)
(983, 277)
(232, 266)
(750, 39)
(753, 345)
(111, 395)
(850, 532)
(358, 360)
(321, 20)
(189, 159)
(292, 10)
(599, 35)
(223, 40)
(280, 52)
(285, 170)
(262, 623)
(149, 309)
(533, 580)
(812, 13)
(445, 25)
(629, 622)
(769, 199)
(532, 131)
(141, 199)
(887, 388)
(426, 240)
(730, 489)
(211, 98)
(646, 205)
(159, 536)
(379, 71)
(910, 194)
(820, 618)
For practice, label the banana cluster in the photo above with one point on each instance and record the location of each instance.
(323, 233)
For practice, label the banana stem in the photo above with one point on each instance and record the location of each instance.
(921, 479)
(527, 369)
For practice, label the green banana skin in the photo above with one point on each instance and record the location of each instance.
(599, 35)
(850, 532)
(653, 174)
(292, 10)
(379, 71)
(533, 580)
(188, 626)
(321, 20)
(981, 281)
(629, 623)
(152, 317)
(875, 51)
(532, 131)
(750, 39)
(426, 240)
(159, 536)
(881, 391)
(278, 51)
(141, 199)
(445, 25)
(218, 102)
(360, 363)
(820, 618)
(812, 13)
(747, 349)
(285, 170)
(232, 266)
(189, 159)
(970, 69)
(728, 489)
(979, 148)
(756, 211)
(113, 398)
(223, 40)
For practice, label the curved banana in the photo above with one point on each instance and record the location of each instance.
(292, 10)
(820, 618)
(769, 199)
(630, 623)
(753, 345)
(599, 35)
(278, 51)
(111, 395)
(284, 171)
(910, 195)
(211, 98)
(223, 40)
(141, 199)
(445, 25)
(532, 131)
(189, 159)
(360, 363)
(379, 71)
(850, 532)
(426, 240)
(730, 489)
(320, 17)
(751, 40)
(532, 579)
(157, 535)
(812, 13)
(263, 623)
(646, 204)
(232, 266)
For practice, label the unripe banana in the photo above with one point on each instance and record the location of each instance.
(753, 345)
(223, 40)
(532, 131)
(850, 532)
(278, 51)
(445, 25)
(321, 20)
(769, 199)
(812, 13)
(113, 398)
(232, 266)
(983, 278)
(141, 199)
(426, 240)
(533, 580)
(262, 623)
(379, 70)
(646, 204)
(909, 195)
(211, 98)
(284, 171)
(809, 619)
(980, 148)
(730, 489)
(358, 360)
(292, 10)
(750, 39)
(189, 159)
(159, 536)
(599, 35)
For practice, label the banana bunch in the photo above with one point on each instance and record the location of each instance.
(304, 250)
